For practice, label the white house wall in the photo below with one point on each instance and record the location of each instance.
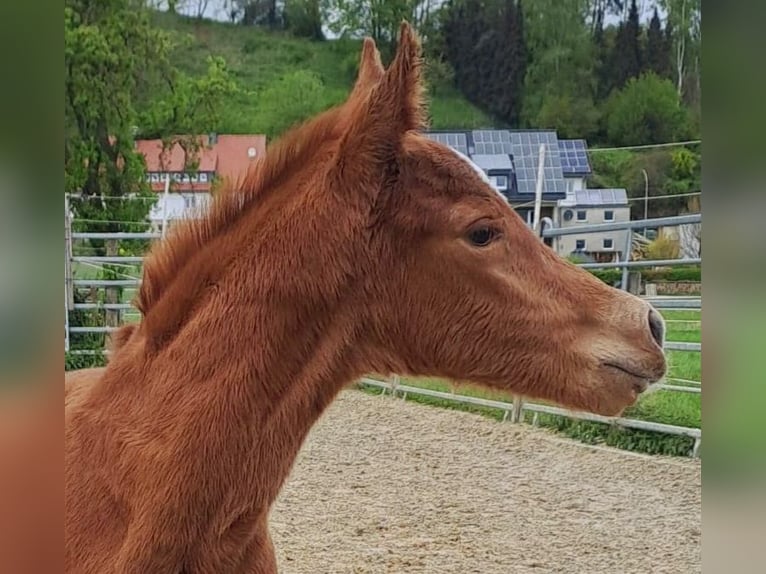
(594, 242)
(177, 205)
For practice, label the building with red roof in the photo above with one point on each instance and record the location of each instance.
(219, 157)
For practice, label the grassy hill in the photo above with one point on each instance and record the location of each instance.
(284, 79)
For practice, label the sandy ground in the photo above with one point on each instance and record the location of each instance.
(383, 485)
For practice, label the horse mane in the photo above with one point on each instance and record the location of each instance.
(171, 256)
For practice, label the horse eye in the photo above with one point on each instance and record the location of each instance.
(481, 236)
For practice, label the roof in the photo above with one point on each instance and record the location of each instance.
(488, 162)
(599, 197)
(574, 157)
(524, 147)
(456, 140)
(229, 156)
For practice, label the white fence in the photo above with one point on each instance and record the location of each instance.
(515, 410)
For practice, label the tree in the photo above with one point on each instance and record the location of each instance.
(304, 18)
(375, 18)
(118, 81)
(463, 26)
(626, 56)
(485, 45)
(647, 110)
(510, 65)
(258, 12)
(684, 21)
(598, 9)
(561, 65)
(657, 56)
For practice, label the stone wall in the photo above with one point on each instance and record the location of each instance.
(678, 287)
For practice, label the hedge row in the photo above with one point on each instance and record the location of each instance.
(612, 276)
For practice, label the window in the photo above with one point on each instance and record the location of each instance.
(580, 244)
(582, 215)
(203, 177)
(164, 177)
(526, 215)
(609, 215)
(155, 177)
(499, 181)
(194, 177)
(608, 243)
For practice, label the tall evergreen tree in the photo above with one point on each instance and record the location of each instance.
(510, 64)
(603, 60)
(486, 47)
(463, 28)
(626, 57)
(657, 56)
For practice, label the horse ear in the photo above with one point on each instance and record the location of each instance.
(393, 108)
(370, 67)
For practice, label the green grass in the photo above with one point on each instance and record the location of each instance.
(258, 59)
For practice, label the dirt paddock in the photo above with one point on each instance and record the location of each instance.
(384, 485)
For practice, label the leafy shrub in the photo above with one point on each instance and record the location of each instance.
(673, 274)
(691, 273)
(646, 110)
(73, 361)
(663, 248)
(629, 439)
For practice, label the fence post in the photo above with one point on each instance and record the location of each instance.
(696, 447)
(517, 413)
(626, 259)
(68, 287)
(394, 384)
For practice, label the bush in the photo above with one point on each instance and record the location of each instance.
(673, 274)
(646, 110)
(647, 442)
(73, 362)
(613, 276)
(663, 248)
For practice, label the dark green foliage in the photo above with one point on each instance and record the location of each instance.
(626, 56)
(304, 18)
(625, 169)
(486, 47)
(560, 84)
(614, 276)
(629, 439)
(691, 274)
(88, 342)
(647, 110)
(657, 58)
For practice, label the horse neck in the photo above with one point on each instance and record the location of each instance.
(262, 358)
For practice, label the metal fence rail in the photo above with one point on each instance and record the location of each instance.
(514, 409)
(508, 407)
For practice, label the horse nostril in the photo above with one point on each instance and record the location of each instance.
(657, 327)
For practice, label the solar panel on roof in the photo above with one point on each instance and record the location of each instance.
(575, 153)
(525, 148)
(457, 141)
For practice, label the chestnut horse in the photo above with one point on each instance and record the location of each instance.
(357, 245)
